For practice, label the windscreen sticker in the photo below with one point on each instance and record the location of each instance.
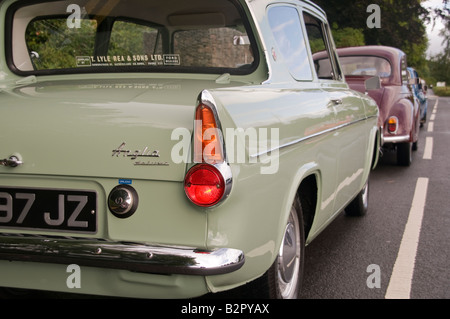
(124, 181)
(171, 59)
(83, 61)
(129, 60)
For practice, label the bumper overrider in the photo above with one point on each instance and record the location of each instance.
(135, 257)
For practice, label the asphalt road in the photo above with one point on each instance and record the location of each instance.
(354, 258)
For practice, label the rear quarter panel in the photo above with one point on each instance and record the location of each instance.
(397, 102)
(254, 216)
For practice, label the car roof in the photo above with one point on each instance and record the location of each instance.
(390, 53)
(393, 55)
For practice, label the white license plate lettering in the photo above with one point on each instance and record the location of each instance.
(59, 220)
(6, 208)
(48, 209)
(30, 198)
(82, 201)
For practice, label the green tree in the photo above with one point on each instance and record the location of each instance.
(440, 68)
(347, 37)
(57, 45)
(402, 24)
(439, 65)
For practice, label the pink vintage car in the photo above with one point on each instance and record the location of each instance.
(399, 118)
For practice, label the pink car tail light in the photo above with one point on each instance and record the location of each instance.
(392, 125)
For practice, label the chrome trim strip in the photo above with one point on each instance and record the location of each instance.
(269, 69)
(310, 137)
(136, 257)
(396, 124)
(264, 49)
(396, 139)
(225, 170)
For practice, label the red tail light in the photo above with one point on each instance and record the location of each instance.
(209, 182)
(392, 125)
(204, 185)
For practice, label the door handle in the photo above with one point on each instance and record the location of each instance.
(12, 161)
(336, 101)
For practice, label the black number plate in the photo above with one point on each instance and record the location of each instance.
(46, 209)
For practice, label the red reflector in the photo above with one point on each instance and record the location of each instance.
(204, 185)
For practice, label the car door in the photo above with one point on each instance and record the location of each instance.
(349, 139)
(304, 108)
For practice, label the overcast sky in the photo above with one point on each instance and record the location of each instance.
(435, 42)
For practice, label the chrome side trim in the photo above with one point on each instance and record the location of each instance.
(264, 49)
(269, 69)
(305, 138)
(225, 170)
(396, 139)
(135, 257)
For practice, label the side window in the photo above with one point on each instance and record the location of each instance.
(286, 27)
(404, 71)
(325, 68)
(338, 74)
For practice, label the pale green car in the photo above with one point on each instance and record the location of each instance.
(170, 149)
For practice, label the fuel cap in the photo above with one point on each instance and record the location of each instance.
(123, 201)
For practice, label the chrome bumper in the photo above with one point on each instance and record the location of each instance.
(396, 139)
(120, 255)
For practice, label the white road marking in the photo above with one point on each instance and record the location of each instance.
(428, 151)
(401, 279)
(429, 141)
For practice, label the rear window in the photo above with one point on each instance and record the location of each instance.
(199, 36)
(51, 45)
(366, 65)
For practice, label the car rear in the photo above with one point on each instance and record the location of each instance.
(99, 162)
